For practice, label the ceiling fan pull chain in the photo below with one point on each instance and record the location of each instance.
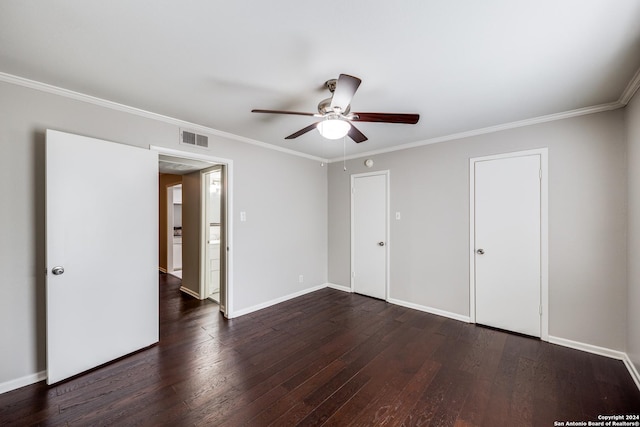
(344, 153)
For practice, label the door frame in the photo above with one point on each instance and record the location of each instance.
(544, 233)
(228, 163)
(387, 175)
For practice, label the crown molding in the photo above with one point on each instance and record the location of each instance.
(624, 99)
(491, 129)
(631, 89)
(44, 87)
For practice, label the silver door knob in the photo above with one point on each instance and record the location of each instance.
(480, 251)
(380, 243)
(57, 270)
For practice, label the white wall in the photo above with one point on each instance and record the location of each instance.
(285, 198)
(633, 162)
(430, 244)
(191, 212)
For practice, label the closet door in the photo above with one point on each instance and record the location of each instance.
(369, 234)
(508, 243)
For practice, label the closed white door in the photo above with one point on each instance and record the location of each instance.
(369, 235)
(102, 252)
(507, 243)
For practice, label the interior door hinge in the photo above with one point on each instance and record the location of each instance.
(353, 190)
(353, 274)
(540, 173)
(540, 309)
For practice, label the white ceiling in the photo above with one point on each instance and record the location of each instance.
(463, 65)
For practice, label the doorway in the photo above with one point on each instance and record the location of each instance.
(369, 235)
(174, 230)
(198, 277)
(508, 242)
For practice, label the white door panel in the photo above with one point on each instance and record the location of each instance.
(507, 230)
(369, 204)
(102, 228)
(212, 195)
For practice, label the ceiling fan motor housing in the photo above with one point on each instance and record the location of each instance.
(324, 107)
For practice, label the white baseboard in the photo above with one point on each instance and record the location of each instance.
(338, 287)
(21, 382)
(162, 270)
(632, 370)
(601, 351)
(589, 348)
(189, 292)
(260, 306)
(411, 305)
(454, 316)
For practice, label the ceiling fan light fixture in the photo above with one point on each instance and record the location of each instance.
(333, 128)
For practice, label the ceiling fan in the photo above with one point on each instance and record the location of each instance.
(336, 114)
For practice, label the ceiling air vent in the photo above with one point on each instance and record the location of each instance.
(192, 138)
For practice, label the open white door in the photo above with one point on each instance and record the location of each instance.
(102, 250)
(212, 231)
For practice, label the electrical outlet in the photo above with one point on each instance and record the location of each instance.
(301, 278)
(243, 216)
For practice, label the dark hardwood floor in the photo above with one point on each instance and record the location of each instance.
(330, 358)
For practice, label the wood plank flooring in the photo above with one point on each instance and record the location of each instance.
(330, 358)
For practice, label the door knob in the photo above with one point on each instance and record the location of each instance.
(380, 243)
(57, 270)
(480, 251)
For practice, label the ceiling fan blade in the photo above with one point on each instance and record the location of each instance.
(409, 119)
(346, 87)
(302, 131)
(297, 113)
(356, 135)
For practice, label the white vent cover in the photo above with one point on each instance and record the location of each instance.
(194, 139)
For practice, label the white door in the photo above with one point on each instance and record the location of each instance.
(507, 243)
(212, 196)
(369, 234)
(102, 229)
